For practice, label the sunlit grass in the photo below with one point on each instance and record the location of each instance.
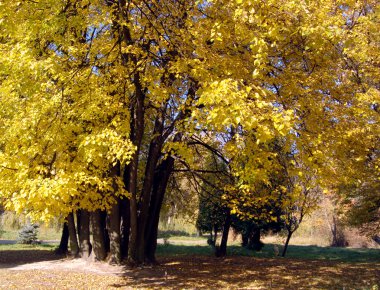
(294, 252)
(189, 238)
(17, 247)
(44, 233)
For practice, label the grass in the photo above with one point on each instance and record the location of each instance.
(44, 233)
(194, 266)
(17, 247)
(294, 252)
(188, 238)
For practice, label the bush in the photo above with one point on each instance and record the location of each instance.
(28, 234)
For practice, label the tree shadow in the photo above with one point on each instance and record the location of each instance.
(13, 258)
(248, 272)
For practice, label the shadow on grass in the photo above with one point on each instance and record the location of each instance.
(196, 267)
(235, 272)
(306, 267)
(16, 254)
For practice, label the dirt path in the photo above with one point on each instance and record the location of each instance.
(7, 242)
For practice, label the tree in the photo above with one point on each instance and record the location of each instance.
(28, 234)
(99, 99)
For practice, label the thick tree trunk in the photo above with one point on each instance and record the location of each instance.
(63, 245)
(151, 242)
(254, 242)
(145, 200)
(103, 219)
(137, 132)
(99, 248)
(132, 247)
(114, 234)
(244, 239)
(125, 227)
(74, 248)
(84, 234)
(160, 183)
(222, 250)
(125, 208)
(78, 213)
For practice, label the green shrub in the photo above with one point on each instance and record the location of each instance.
(28, 234)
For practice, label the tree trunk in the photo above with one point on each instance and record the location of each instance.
(254, 242)
(99, 249)
(222, 250)
(125, 227)
(74, 248)
(244, 239)
(290, 233)
(137, 131)
(84, 234)
(146, 194)
(78, 213)
(103, 219)
(133, 259)
(151, 242)
(215, 235)
(160, 183)
(63, 245)
(114, 234)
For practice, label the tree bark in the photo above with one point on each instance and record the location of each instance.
(99, 249)
(78, 213)
(254, 242)
(244, 239)
(74, 248)
(63, 245)
(222, 250)
(84, 234)
(160, 183)
(137, 112)
(152, 160)
(103, 220)
(137, 131)
(125, 227)
(114, 234)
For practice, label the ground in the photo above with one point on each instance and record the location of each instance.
(40, 268)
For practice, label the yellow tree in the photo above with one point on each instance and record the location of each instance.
(98, 96)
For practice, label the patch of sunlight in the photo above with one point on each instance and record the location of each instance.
(173, 263)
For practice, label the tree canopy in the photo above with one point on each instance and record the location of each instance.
(100, 99)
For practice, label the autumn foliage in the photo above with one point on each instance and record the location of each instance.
(102, 100)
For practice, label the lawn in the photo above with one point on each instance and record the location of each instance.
(294, 252)
(44, 233)
(189, 267)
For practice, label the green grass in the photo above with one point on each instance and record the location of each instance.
(294, 252)
(348, 255)
(9, 235)
(43, 234)
(17, 247)
(188, 238)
